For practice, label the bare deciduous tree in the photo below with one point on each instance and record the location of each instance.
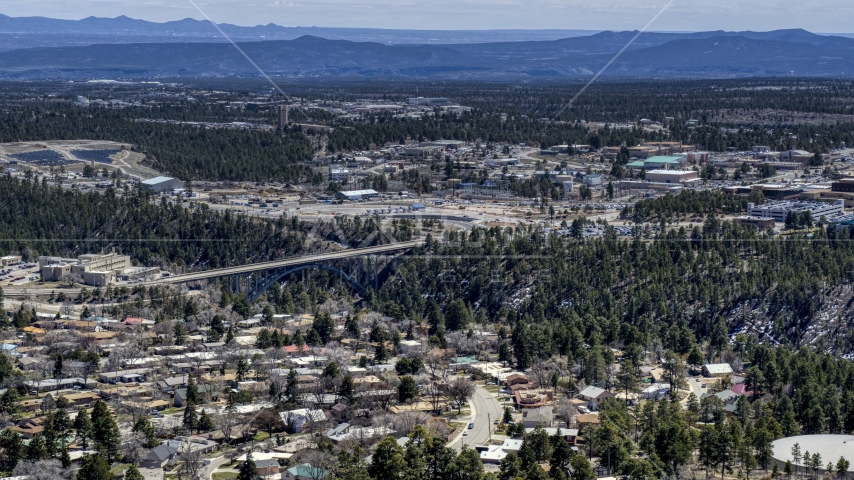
(191, 460)
(461, 389)
(434, 394)
(226, 423)
(133, 445)
(318, 463)
(566, 411)
(42, 470)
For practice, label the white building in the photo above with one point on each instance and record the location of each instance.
(593, 179)
(779, 210)
(671, 176)
(428, 102)
(338, 173)
(831, 448)
(357, 194)
(162, 184)
(717, 369)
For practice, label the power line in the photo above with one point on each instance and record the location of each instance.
(260, 70)
(596, 77)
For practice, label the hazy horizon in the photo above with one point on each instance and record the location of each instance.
(826, 17)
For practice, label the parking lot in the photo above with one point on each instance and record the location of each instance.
(20, 274)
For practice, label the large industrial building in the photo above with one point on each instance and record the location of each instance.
(356, 195)
(428, 102)
(162, 184)
(501, 162)
(779, 210)
(94, 269)
(671, 176)
(831, 448)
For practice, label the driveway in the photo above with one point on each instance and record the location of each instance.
(152, 473)
(485, 409)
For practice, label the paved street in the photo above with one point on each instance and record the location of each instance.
(485, 409)
(695, 386)
(208, 470)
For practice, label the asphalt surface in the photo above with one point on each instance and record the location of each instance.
(299, 260)
(485, 409)
(207, 471)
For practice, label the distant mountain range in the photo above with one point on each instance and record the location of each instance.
(182, 49)
(29, 32)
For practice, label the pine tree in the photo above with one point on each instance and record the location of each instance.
(144, 426)
(65, 457)
(192, 391)
(133, 473)
(37, 449)
(94, 467)
(242, 368)
(205, 422)
(347, 388)
(83, 427)
(248, 470)
(105, 432)
(510, 467)
(191, 421)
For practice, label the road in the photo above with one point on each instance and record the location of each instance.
(695, 386)
(243, 269)
(485, 409)
(293, 261)
(207, 470)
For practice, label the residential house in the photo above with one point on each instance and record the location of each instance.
(532, 399)
(206, 393)
(159, 456)
(586, 419)
(29, 427)
(717, 370)
(296, 420)
(543, 416)
(30, 405)
(516, 379)
(305, 471)
(133, 375)
(29, 363)
(51, 384)
(656, 391)
(84, 398)
(267, 468)
(170, 383)
(594, 396)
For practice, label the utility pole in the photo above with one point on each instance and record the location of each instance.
(489, 426)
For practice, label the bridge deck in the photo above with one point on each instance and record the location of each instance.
(291, 262)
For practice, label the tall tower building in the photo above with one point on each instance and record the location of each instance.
(283, 116)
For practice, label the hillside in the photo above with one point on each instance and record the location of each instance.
(709, 54)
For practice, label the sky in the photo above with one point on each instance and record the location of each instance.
(820, 16)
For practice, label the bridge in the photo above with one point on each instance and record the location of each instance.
(359, 267)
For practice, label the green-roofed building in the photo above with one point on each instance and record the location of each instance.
(658, 163)
(663, 162)
(304, 471)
